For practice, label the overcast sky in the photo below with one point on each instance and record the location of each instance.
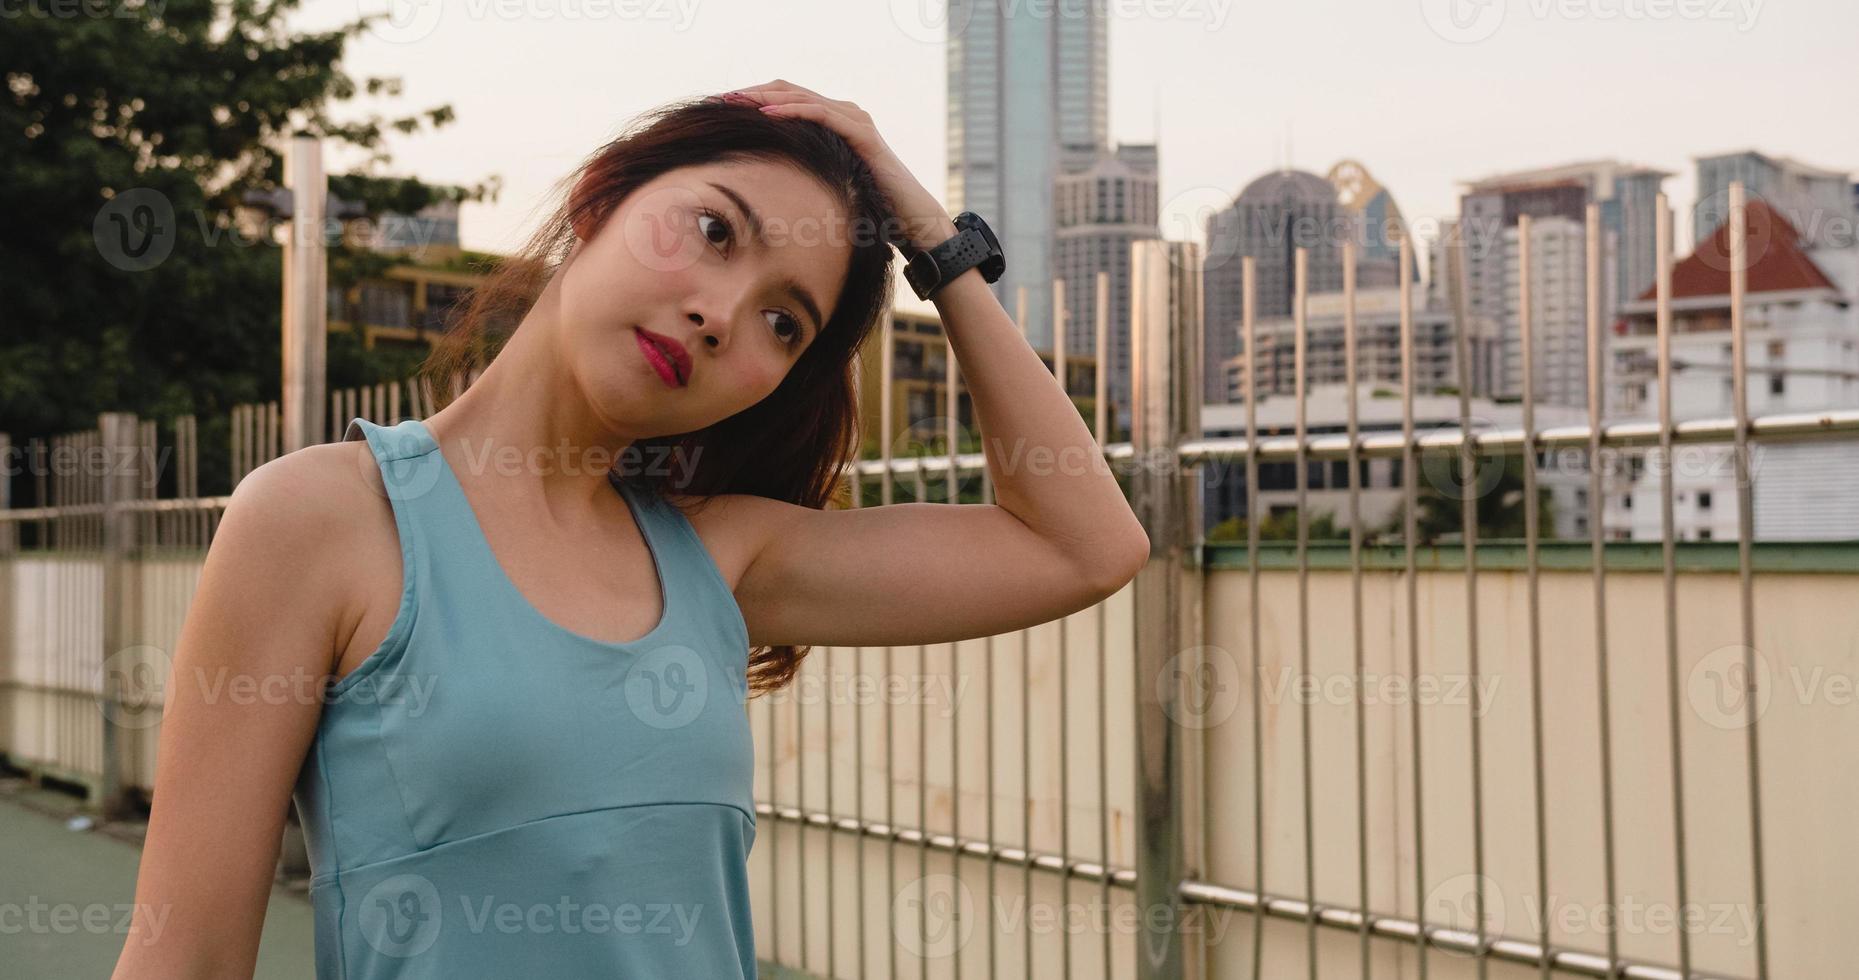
(1425, 93)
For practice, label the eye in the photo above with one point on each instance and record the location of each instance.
(795, 325)
(720, 225)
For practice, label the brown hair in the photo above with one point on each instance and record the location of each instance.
(792, 445)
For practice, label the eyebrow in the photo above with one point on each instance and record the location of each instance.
(791, 285)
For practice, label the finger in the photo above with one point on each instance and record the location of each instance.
(816, 111)
(856, 131)
(782, 85)
(766, 92)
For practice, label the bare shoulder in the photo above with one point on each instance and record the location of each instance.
(325, 507)
(312, 491)
(734, 526)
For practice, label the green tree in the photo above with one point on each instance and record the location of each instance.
(1281, 526)
(128, 134)
(1497, 483)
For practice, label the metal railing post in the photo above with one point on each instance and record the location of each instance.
(306, 303)
(1165, 352)
(117, 432)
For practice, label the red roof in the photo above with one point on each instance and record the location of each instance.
(1776, 261)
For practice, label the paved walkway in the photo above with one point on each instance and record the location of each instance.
(65, 896)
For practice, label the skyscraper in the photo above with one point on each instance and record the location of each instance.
(1104, 203)
(1028, 85)
(1488, 213)
(1270, 220)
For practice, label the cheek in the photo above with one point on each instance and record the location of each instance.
(752, 381)
(594, 294)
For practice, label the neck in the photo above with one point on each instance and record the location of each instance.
(526, 422)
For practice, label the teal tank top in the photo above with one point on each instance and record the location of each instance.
(492, 795)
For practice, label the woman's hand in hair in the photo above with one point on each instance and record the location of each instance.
(925, 223)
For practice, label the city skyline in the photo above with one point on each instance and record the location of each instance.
(1394, 68)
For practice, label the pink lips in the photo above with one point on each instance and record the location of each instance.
(667, 357)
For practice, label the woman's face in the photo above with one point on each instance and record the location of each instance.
(739, 263)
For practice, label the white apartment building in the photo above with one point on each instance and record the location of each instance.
(1802, 354)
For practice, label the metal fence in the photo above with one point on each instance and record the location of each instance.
(1212, 773)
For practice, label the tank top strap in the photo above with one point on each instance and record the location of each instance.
(413, 474)
(434, 520)
(688, 567)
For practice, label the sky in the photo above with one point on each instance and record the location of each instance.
(1425, 93)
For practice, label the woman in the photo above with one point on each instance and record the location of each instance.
(531, 754)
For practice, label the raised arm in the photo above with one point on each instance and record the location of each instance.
(1059, 537)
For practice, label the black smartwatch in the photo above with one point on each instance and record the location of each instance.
(974, 244)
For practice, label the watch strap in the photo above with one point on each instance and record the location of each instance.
(966, 249)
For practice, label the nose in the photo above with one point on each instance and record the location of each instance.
(716, 310)
(709, 337)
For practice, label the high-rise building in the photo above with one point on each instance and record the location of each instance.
(1558, 307)
(1270, 220)
(1819, 203)
(1028, 84)
(1488, 212)
(1104, 203)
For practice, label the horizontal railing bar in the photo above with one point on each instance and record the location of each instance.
(1804, 426)
(1395, 927)
(1553, 555)
(1084, 870)
(1445, 441)
(180, 505)
(1844, 422)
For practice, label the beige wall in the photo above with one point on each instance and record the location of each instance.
(1807, 634)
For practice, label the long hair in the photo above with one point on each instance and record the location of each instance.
(792, 445)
